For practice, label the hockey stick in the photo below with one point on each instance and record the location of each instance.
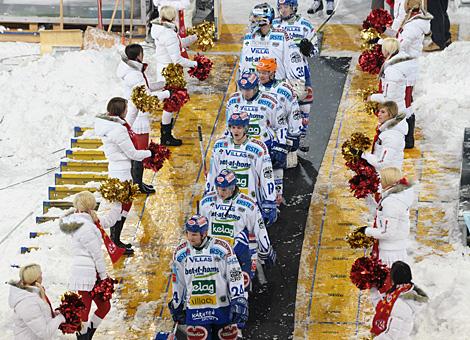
(201, 146)
(329, 17)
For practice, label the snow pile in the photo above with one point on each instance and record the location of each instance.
(442, 109)
(442, 102)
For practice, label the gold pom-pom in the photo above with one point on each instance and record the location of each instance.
(356, 239)
(145, 102)
(371, 107)
(353, 147)
(115, 190)
(205, 34)
(368, 38)
(174, 76)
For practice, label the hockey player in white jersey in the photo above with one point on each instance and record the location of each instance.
(249, 159)
(264, 41)
(264, 111)
(290, 114)
(304, 35)
(235, 218)
(208, 293)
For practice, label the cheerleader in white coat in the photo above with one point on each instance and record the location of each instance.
(88, 262)
(392, 222)
(131, 71)
(170, 48)
(34, 317)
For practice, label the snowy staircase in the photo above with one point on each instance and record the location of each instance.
(84, 167)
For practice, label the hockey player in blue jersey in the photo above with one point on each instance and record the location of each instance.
(236, 218)
(250, 161)
(264, 41)
(208, 293)
(265, 112)
(304, 35)
(290, 115)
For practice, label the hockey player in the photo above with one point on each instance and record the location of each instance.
(264, 41)
(249, 159)
(208, 294)
(235, 218)
(289, 116)
(264, 111)
(304, 35)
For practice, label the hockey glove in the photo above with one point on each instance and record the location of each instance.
(178, 314)
(293, 142)
(239, 310)
(306, 47)
(278, 153)
(269, 212)
(268, 257)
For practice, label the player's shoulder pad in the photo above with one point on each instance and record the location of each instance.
(260, 145)
(246, 201)
(181, 252)
(269, 96)
(221, 143)
(221, 248)
(306, 23)
(234, 98)
(208, 198)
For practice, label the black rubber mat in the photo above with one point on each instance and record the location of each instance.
(272, 308)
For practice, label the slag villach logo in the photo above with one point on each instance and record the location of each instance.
(224, 231)
(203, 293)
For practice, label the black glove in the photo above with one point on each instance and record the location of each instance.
(362, 230)
(178, 314)
(152, 153)
(306, 47)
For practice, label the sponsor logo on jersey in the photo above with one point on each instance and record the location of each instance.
(267, 103)
(200, 271)
(217, 251)
(254, 150)
(283, 92)
(196, 332)
(207, 315)
(276, 37)
(254, 130)
(199, 300)
(252, 59)
(259, 50)
(245, 203)
(235, 274)
(235, 153)
(292, 28)
(250, 108)
(235, 165)
(222, 230)
(268, 173)
(295, 58)
(242, 180)
(203, 287)
(200, 258)
(181, 257)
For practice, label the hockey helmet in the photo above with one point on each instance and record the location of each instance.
(248, 81)
(239, 119)
(226, 179)
(197, 224)
(262, 14)
(293, 3)
(267, 65)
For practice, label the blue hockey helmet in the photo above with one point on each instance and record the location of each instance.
(261, 14)
(197, 224)
(292, 3)
(226, 179)
(248, 81)
(239, 119)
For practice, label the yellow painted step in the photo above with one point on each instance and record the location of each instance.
(83, 166)
(84, 154)
(80, 130)
(61, 191)
(79, 178)
(86, 143)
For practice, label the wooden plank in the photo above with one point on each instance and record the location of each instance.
(66, 38)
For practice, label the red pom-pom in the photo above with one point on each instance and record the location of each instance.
(379, 19)
(203, 68)
(367, 272)
(178, 98)
(372, 60)
(71, 307)
(161, 152)
(104, 289)
(366, 181)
